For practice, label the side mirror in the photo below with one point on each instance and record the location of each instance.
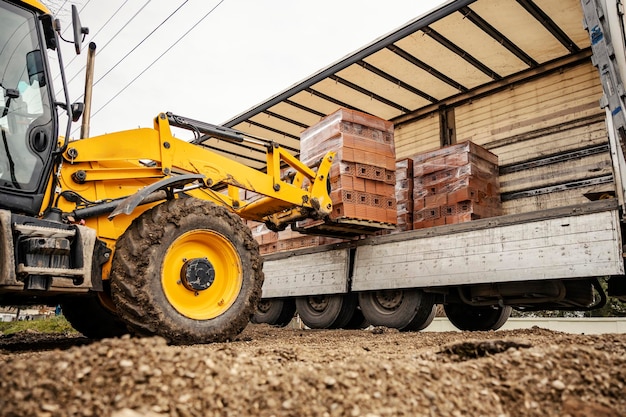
(79, 31)
(34, 67)
(77, 110)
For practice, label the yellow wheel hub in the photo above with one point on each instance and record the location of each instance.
(201, 274)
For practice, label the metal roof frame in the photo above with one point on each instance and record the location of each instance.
(462, 49)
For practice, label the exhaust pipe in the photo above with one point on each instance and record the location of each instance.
(91, 56)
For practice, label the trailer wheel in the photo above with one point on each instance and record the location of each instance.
(326, 311)
(406, 310)
(87, 315)
(187, 270)
(275, 311)
(477, 318)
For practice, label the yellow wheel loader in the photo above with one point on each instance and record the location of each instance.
(135, 230)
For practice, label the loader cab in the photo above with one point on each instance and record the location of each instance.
(28, 126)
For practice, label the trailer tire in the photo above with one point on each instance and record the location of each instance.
(187, 270)
(326, 311)
(477, 318)
(275, 311)
(87, 315)
(405, 310)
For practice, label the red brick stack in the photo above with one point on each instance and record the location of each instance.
(267, 240)
(404, 194)
(455, 184)
(363, 173)
(271, 242)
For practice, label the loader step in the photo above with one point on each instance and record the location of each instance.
(56, 272)
(39, 231)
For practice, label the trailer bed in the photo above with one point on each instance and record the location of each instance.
(568, 242)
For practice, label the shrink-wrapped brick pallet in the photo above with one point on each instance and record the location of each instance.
(455, 184)
(362, 177)
(404, 194)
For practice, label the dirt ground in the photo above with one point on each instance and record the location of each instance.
(290, 372)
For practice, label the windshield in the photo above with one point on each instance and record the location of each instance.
(25, 109)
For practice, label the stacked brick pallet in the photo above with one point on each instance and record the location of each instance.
(404, 194)
(267, 240)
(363, 173)
(455, 184)
(271, 242)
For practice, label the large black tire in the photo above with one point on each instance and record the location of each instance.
(187, 270)
(326, 311)
(275, 311)
(349, 314)
(405, 310)
(87, 315)
(477, 318)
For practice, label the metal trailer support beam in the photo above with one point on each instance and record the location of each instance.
(596, 20)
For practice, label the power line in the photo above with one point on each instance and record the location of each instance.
(112, 38)
(159, 57)
(96, 34)
(59, 9)
(111, 18)
(141, 42)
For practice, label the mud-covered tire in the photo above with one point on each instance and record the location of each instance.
(275, 311)
(187, 270)
(87, 315)
(477, 318)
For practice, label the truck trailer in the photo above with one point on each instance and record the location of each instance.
(539, 84)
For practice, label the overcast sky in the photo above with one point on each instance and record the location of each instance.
(240, 53)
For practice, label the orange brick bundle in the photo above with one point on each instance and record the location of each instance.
(271, 242)
(455, 184)
(363, 173)
(267, 240)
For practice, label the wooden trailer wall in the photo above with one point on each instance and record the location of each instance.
(549, 134)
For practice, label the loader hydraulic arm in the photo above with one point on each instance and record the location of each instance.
(120, 157)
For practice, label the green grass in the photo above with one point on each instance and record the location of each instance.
(57, 324)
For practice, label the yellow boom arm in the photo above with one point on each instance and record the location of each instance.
(115, 167)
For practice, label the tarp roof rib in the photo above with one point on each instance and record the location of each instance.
(499, 37)
(457, 48)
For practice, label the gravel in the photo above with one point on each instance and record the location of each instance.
(268, 371)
